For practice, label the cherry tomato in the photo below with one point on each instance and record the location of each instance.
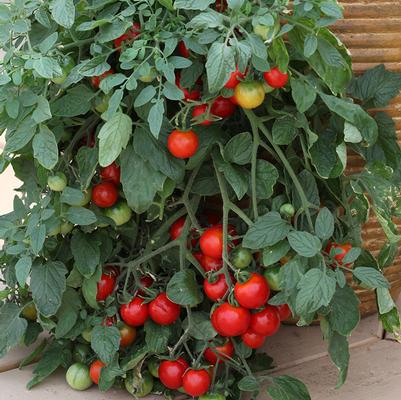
(109, 321)
(211, 354)
(104, 194)
(135, 313)
(229, 320)
(78, 377)
(129, 36)
(253, 293)
(97, 79)
(57, 182)
(223, 107)
(234, 79)
(265, 322)
(172, 372)
(111, 173)
(209, 263)
(120, 213)
(221, 6)
(163, 311)
(95, 370)
(139, 385)
(30, 312)
(272, 275)
(215, 291)
(105, 287)
(198, 112)
(242, 258)
(196, 382)
(339, 251)
(211, 241)
(275, 78)
(183, 144)
(66, 227)
(253, 340)
(147, 282)
(67, 65)
(287, 210)
(183, 50)
(176, 228)
(284, 311)
(188, 95)
(127, 334)
(249, 95)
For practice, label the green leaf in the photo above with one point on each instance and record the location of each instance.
(219, 65)
(273, 254)
(42, 111)
(63, 12)
(339, 353)
(48, 284)
(391, 321)
(113, 30)
(249, 384)
(238, 150)
(266, 178)
(288, 388)
(47, 67)
(38, 237)
(144, 96)
(183, 289)
(21, 136)
(331, 9)
(45, 148)
(155, 117)
(80, 216)
(22, 269)
(310, 46)
(167, 3)
(12, 327)
(114, 136)
(89, 289)
(67, 315)
(201, 327)
(86, 252)
(303, 93)
(284, 130)
(371, 277)
(266, 231)
(324, 224)
(87, 163)
(279, 54)
(157, 336)
(105, 342)
(384, 300)
(72, 196)
(77, 101)
(237, 177)
(192, 4)
(304, 243)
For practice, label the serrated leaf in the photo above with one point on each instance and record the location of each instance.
(304, 243)
(105, 342)
(183, 289)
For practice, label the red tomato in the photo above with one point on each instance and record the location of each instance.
(129, 36)
(146, 281)
(200, 110)
(235, 79)
(215, 291)
(135, 313)
(253, 340)
(275, 78)
(163, 311)
(229, 320)
(97, 79)
(95, 369)
(266, 322)
(196, 382)
(171, 373)
(104, 194)
(111, 173)
(127, 335)
(253, 293)
(219, 352)
(208, 263)
(183, 144)
(109, 321)
(105, 287)
(188, 95)
(88, 140)
(221, 6)
(211, 241)
(284, 311)
(176, 228)
(223, 107)
(183, 50)
(338, 251)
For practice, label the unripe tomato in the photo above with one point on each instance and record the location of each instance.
(196, 382)
(120, 213)
(265, 322)
(275, 78)
(30, 312)
(129, 36)
(287, 210)
(229, 320)
(211, 241)
(199, 111)
(183, 144)
(216, 290)
(222, 107)
(66, 227)
(212, 396)
(111, 173)
(127, 335)
(272, 275)
(139, 386)
(188, 95)
(105, 287)
(172, 372)
(183, 50)
(249, 95)
(135, 313)
(253, 340)
(95, 369)
(339, 251)
(80, 352)
(163, 311)
(102, 103)
(242, 258)
(234, 79)
(66, 66)
(104, 194)
(153, 367)
(87, 197)
(77, 377)
(212, 354)
(97, 79)
(57, 182)
(87, 335)
(284, 311)
(252, 293)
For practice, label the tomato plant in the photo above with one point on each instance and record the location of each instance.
(163, 311)
(135, 313)
(183, 144)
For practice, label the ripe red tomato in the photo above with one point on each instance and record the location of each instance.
(201, 110)
(163, 311)
(284, 311)
(111, 173)
(266, 322)
(229, 320)
(196, 382)
(339, 251)
(176, 228)
(253, 340)
(208, 263)
(172, 372)
(109, 321)
(183, 50)
(215, 291)
(105, 287)
(97, 79)
(235, 78)
(95, 369)
(129, 36)
(183, 144)
(104, 194)
(275, 78)
(146, 281)
(127, 334)
(135, 313)
(211, 354)
(221, 6)
(211, 241)
(253, 293)
(188, 95)
(223, 107)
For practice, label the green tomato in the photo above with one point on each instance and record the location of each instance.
(80, 353)
(242, 258)
(139, 386)
(102, 103)
(272, 275)
(287, 210)
(66, 227)
(54, 230)
(87, 334)
(78, 377)
(87, 197)
(212, 396)
(30, 312)
(153, 367)
(119, 213)
(67, 65)
(57, 182)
